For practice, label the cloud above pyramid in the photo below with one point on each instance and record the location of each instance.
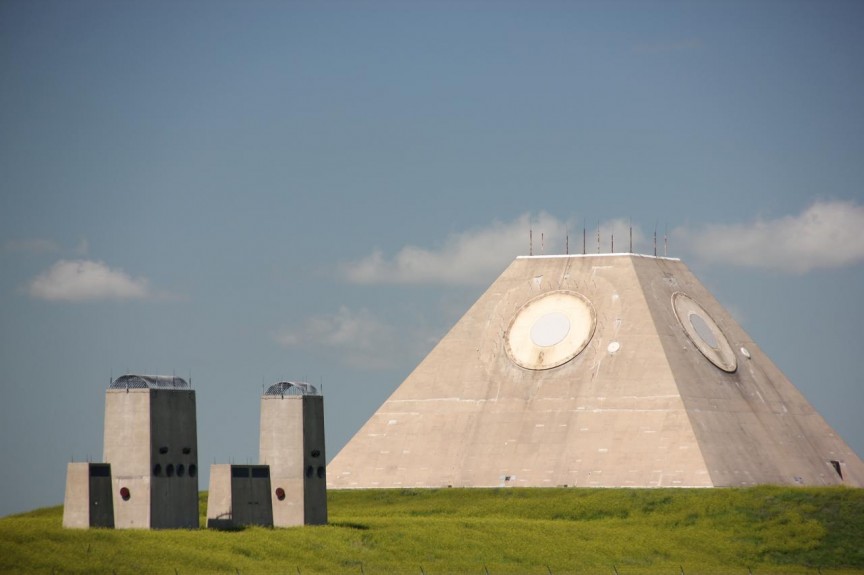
(825, 235)
(476, 256)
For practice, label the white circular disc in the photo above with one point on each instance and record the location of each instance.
(550, 330)
(613, 347)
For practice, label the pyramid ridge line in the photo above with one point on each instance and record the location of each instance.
(604, 255)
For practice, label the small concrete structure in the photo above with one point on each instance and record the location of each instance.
(151, 443)
(239, 496)
(88, 502)
(151, 480)
(292, 444)
(612, 370)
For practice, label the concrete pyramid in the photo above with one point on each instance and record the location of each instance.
(595, 371)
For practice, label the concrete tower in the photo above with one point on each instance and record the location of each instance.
(88, 501)
(609, 371)
(151, 443)
(292, 444)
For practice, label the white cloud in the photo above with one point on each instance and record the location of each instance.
(828, 234)
(360, 339)
(82, 280)
(478, 256)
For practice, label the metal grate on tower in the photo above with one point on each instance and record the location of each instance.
(131, 381)
(292, 388)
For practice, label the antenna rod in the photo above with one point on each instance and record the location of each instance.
(567, 244)
(631, 235)
(598, 236)
(542, 244)
(613, 243)
(655, 239)
(583, 238)
(530, 242)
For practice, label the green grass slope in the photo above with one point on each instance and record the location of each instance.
(626, 531)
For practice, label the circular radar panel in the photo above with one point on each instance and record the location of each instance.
(704, 332)
(550, 330)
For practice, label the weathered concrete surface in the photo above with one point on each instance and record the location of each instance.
(152, 444)
(753, 426)
(88, 500)
(639, 406)
(292, 444)
(239, 495)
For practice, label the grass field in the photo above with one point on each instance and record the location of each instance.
(626, 531)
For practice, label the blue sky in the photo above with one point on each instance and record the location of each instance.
(255, 191)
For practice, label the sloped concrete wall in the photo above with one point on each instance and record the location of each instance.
(753, 425)
(469, 416)
(639, 406)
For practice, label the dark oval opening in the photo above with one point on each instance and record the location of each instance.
(169, 470)
(181, 470)
(192, 470)
(157, 470)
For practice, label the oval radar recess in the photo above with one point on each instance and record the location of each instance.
(550, 330)
(704, 332)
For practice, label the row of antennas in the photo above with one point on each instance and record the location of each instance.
(585, 238)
